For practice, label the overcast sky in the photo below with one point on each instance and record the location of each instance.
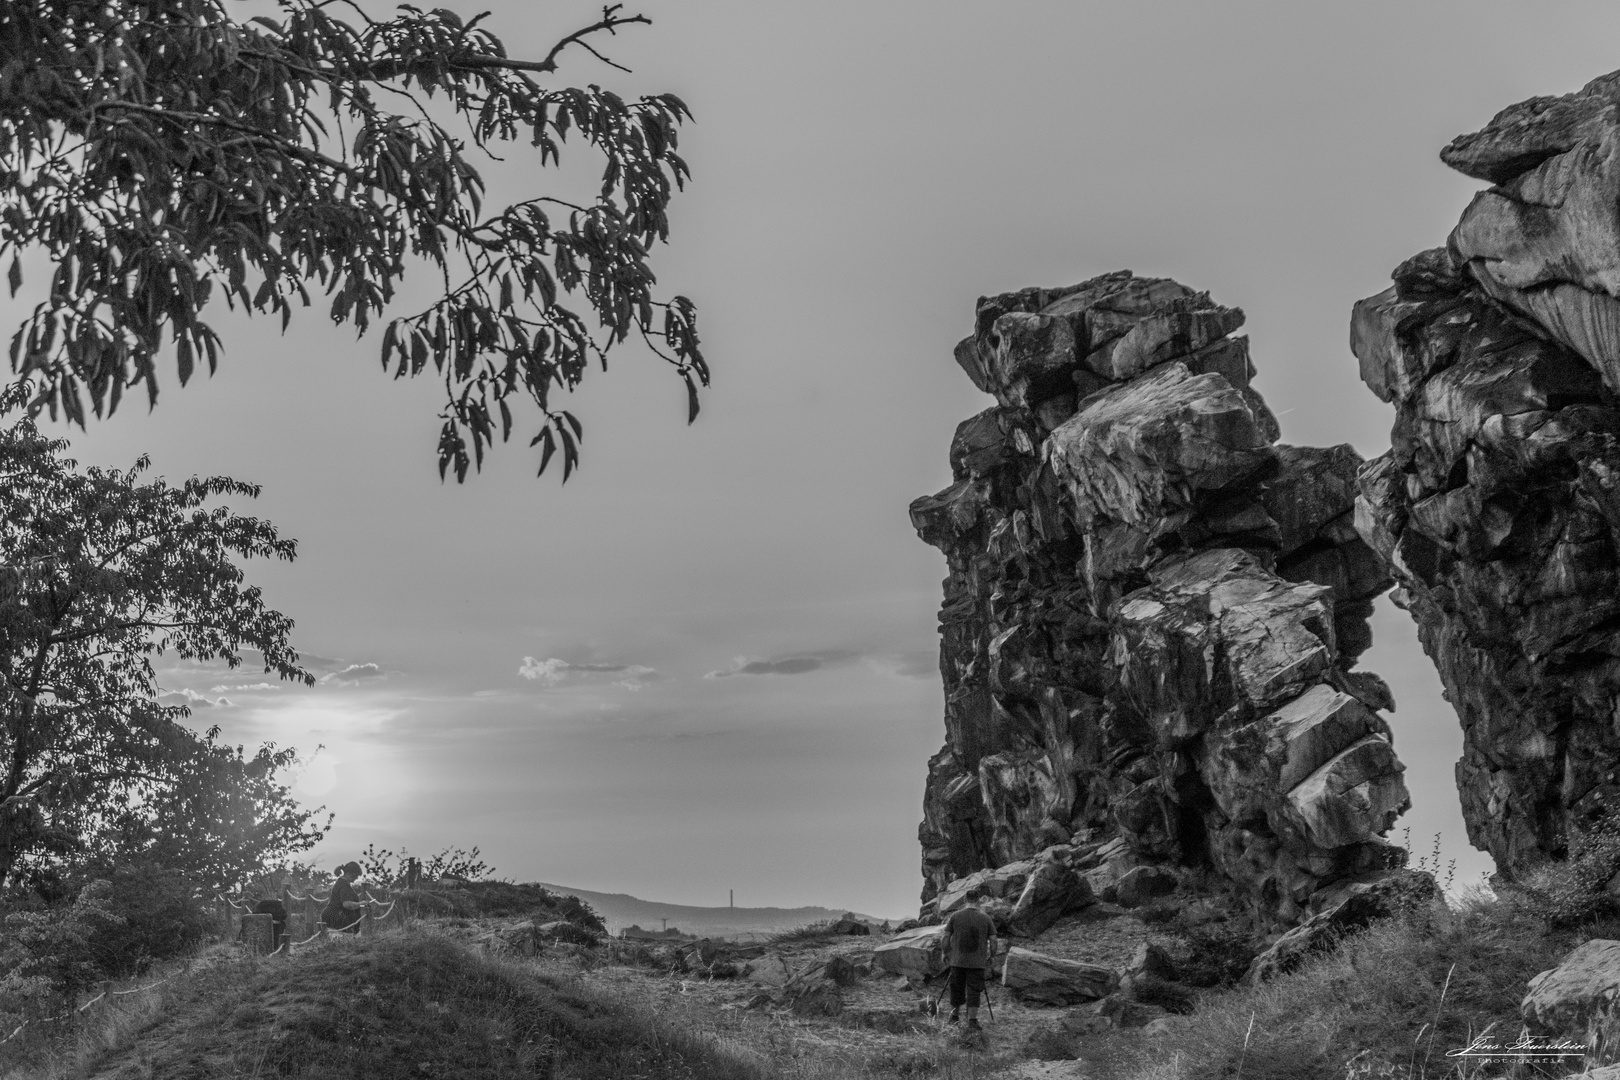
(708, 662)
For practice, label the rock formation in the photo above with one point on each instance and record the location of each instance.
(1150, 622)
(1498, 505)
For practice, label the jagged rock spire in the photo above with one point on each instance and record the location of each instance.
(1498, 505)
(1152, 612)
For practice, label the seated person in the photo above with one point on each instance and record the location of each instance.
(344, 906)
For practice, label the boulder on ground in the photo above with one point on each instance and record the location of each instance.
(1140, 884)
(1580, 990)
(1120, 1011)
(851, 926)
(817, 999)
(996, 883)
(840, 970)
(1033, 976)
(768, 970)
(918, 953)
(1152, 960)
(1051, 891)
(1355, 906)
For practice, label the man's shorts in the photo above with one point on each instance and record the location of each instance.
(966, 986)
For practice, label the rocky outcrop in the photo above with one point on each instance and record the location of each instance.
(1498, 505)
(1151, 618)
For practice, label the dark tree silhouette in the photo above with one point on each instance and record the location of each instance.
(160, 152)
(100, 572)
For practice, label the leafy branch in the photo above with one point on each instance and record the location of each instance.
(159, 152)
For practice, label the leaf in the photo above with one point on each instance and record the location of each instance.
(691, 398)
(548, 447)
(14, 275)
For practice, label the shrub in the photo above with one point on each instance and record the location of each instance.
(157, 918)
(1573, 892)
(1217, 954)
(389, 867)
(815, 931)
(54, 949)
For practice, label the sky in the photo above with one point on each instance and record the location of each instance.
(708, 662)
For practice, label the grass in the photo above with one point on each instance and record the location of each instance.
(407, 1004)
(1387, 1005)
(810, 933)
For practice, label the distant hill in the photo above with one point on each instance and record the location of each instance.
(620, 910)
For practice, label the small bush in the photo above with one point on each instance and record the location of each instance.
(1217, 954)
(158, 918)
(53, 950)
(1573, 892)
(815, 931)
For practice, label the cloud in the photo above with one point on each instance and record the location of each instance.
(795, 664)
(243, 689)
(547, 672)
(551, 671)
(194, 700)
(353, 674)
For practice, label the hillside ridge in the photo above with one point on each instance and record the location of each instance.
(619, 910)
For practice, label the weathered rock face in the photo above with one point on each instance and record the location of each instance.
(1498, 505)
(1151, 616)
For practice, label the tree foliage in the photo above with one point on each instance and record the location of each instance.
(159, 151)
(223, 817)
(100, 573)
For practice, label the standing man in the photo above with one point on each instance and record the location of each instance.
(970, 938)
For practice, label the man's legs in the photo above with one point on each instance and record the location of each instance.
(973, 987)
(959, 977)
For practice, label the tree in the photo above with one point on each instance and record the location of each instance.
(100, 573)
(158, 150)
(219, 816)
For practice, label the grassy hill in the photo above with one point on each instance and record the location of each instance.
(619, 910)
(409, 1005)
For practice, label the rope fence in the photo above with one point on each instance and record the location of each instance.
(231, 912)
(307, 910)
(106, 995)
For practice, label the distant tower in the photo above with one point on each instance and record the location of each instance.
(733, 894)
